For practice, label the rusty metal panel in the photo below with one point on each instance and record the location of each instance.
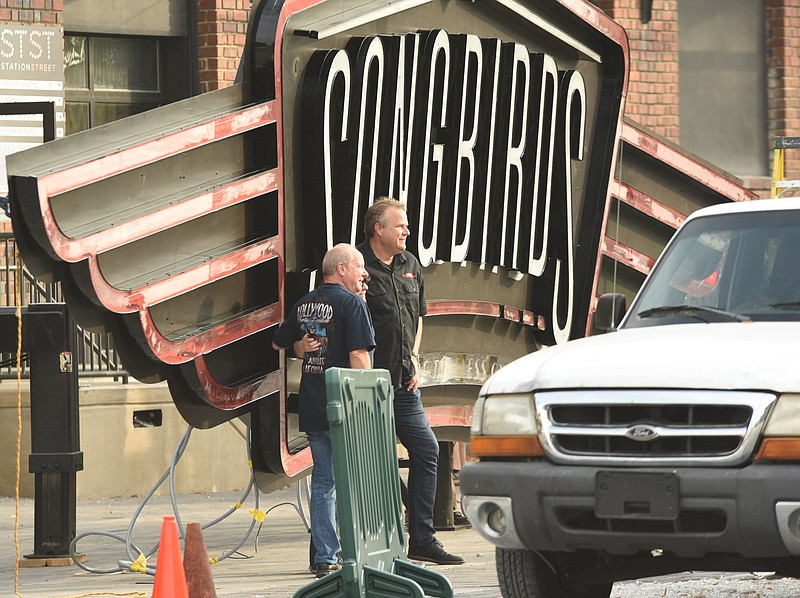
(168, 223)
(657, 184)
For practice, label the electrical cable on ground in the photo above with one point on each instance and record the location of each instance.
(137, 558)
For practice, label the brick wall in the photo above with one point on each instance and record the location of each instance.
(653, 88)
(783, 76)
(221, 32)
(48, 12)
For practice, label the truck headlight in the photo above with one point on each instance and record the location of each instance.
(505, 414)
(785, 417)
(505, 425)
(782, 433)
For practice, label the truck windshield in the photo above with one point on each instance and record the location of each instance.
(726, 268)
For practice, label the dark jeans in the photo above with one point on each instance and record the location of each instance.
(414, 432)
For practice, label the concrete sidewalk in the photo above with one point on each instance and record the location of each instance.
(272, 562)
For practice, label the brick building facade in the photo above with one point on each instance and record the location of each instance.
(654, 90)
(221, 32)
(783, 74)
(49, 12)
(652, 99)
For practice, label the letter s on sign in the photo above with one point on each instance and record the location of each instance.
(572, 109)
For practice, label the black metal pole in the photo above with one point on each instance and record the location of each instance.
(443, 504)
(55, 458)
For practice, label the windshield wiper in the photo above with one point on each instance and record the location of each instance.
(692, 311)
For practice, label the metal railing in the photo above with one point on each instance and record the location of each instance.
(96, 355)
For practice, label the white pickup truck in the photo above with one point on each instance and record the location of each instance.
(671, 444)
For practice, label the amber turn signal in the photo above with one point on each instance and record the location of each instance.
(505, 446)
(779, 449)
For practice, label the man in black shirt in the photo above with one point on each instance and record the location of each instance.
(396, 300)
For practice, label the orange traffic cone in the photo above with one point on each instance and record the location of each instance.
(170, 579)
(196, 564)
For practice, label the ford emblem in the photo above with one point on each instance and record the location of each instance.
(641, 433)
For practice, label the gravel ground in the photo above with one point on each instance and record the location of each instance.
(709, 585)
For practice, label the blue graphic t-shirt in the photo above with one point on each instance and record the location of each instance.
(341, 322)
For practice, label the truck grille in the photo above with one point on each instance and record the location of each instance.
(679, 427)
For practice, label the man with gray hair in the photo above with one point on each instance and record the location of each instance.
(328, 327)
(396, 299)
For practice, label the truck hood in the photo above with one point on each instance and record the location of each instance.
(744, 356)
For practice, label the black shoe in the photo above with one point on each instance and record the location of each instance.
(324, 569)
(460, 520)
(434, 553)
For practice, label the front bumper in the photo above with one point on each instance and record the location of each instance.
(753, 511)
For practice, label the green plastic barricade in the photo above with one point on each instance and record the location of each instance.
(368, 501)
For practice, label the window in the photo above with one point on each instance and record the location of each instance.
(108, 78)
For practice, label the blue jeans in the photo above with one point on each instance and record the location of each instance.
(414, 433)
(323, 500)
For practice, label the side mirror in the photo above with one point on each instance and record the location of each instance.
(610, 310)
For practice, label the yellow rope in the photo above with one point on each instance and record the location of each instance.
(137, 594)
(18, 299)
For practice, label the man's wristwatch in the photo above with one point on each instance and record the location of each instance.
(415, 355)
